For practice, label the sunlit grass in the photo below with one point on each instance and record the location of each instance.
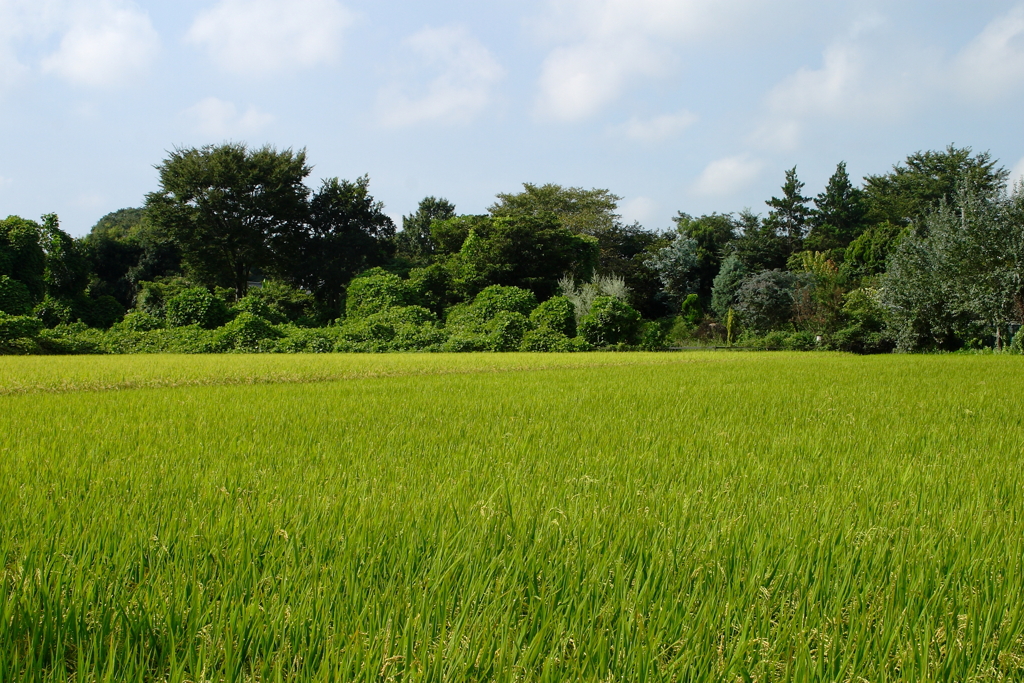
(694, 518)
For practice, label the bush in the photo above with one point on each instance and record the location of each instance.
(53, 312)
(15, 298)
(865, 329)
(153, 295)
(104, 312)
(547, 340)
(505, 331)
(139, 321)
(497, 299)
(556, 314)
(651, 336)
(72, 339)
(196, 306)
(191, 339)
(18, 327)
(610, 322)
(801, 341)
(375, 291)
(280, 303)
(765, 299)
(246, 332)
(306, 340)
(404, 328)
(256, 305)
(690, 311)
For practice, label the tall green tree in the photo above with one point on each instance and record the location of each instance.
(415, 241)
(67, 266)
(347, 232)
(759, 246)
(230, 209)
(839, 215)
(789, 214)
(125, 248)
(962, 275)
(913, 188)
(519, 251)
(589, 212)
(711, 233)
(22, 257)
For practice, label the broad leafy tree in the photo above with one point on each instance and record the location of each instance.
(589, 212)
(711, 233)
(415, 242)
(520, 251)
(915, 187)
(231, 210)
(347, 232)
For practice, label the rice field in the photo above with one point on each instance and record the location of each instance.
(601, 517)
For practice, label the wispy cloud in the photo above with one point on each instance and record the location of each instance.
(261, 37)
(220, 119)
(993, 63)
(658, 128)
(108, 44)
(604, 46)
(728, 176)
(458, 75)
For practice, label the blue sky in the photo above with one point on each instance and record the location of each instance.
(692, 105)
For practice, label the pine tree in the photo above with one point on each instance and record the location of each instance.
(789, 214)
(839, 214)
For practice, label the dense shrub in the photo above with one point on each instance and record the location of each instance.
(191, 339)
(865, 328)
(497, 299)
(246, 332)
(545, 339)
(258, 306)
(53, 312)
(556, 314)
(402, 328)
(376, 291)
(196, 306)
(103, 312)
(15, 298)
(139, 321)
(651, 336)
(505, 331)
(307, 340)
(72, 339)
(152, 296)
(765, 299)
(610, 322)
(18, 326)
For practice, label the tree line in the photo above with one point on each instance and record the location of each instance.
(235, 251)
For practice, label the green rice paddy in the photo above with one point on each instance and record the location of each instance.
(600, 517)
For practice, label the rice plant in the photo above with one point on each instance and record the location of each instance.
(704, 517)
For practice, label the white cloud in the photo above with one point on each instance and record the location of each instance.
(101, 42)
(5, 181)
(728, 176)
(993, 63)
(257, 37)
(658, 128)
(107, 44)
(463, 74)
(639, 209)
(217, 118)
(577, 81)
(605, 45)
